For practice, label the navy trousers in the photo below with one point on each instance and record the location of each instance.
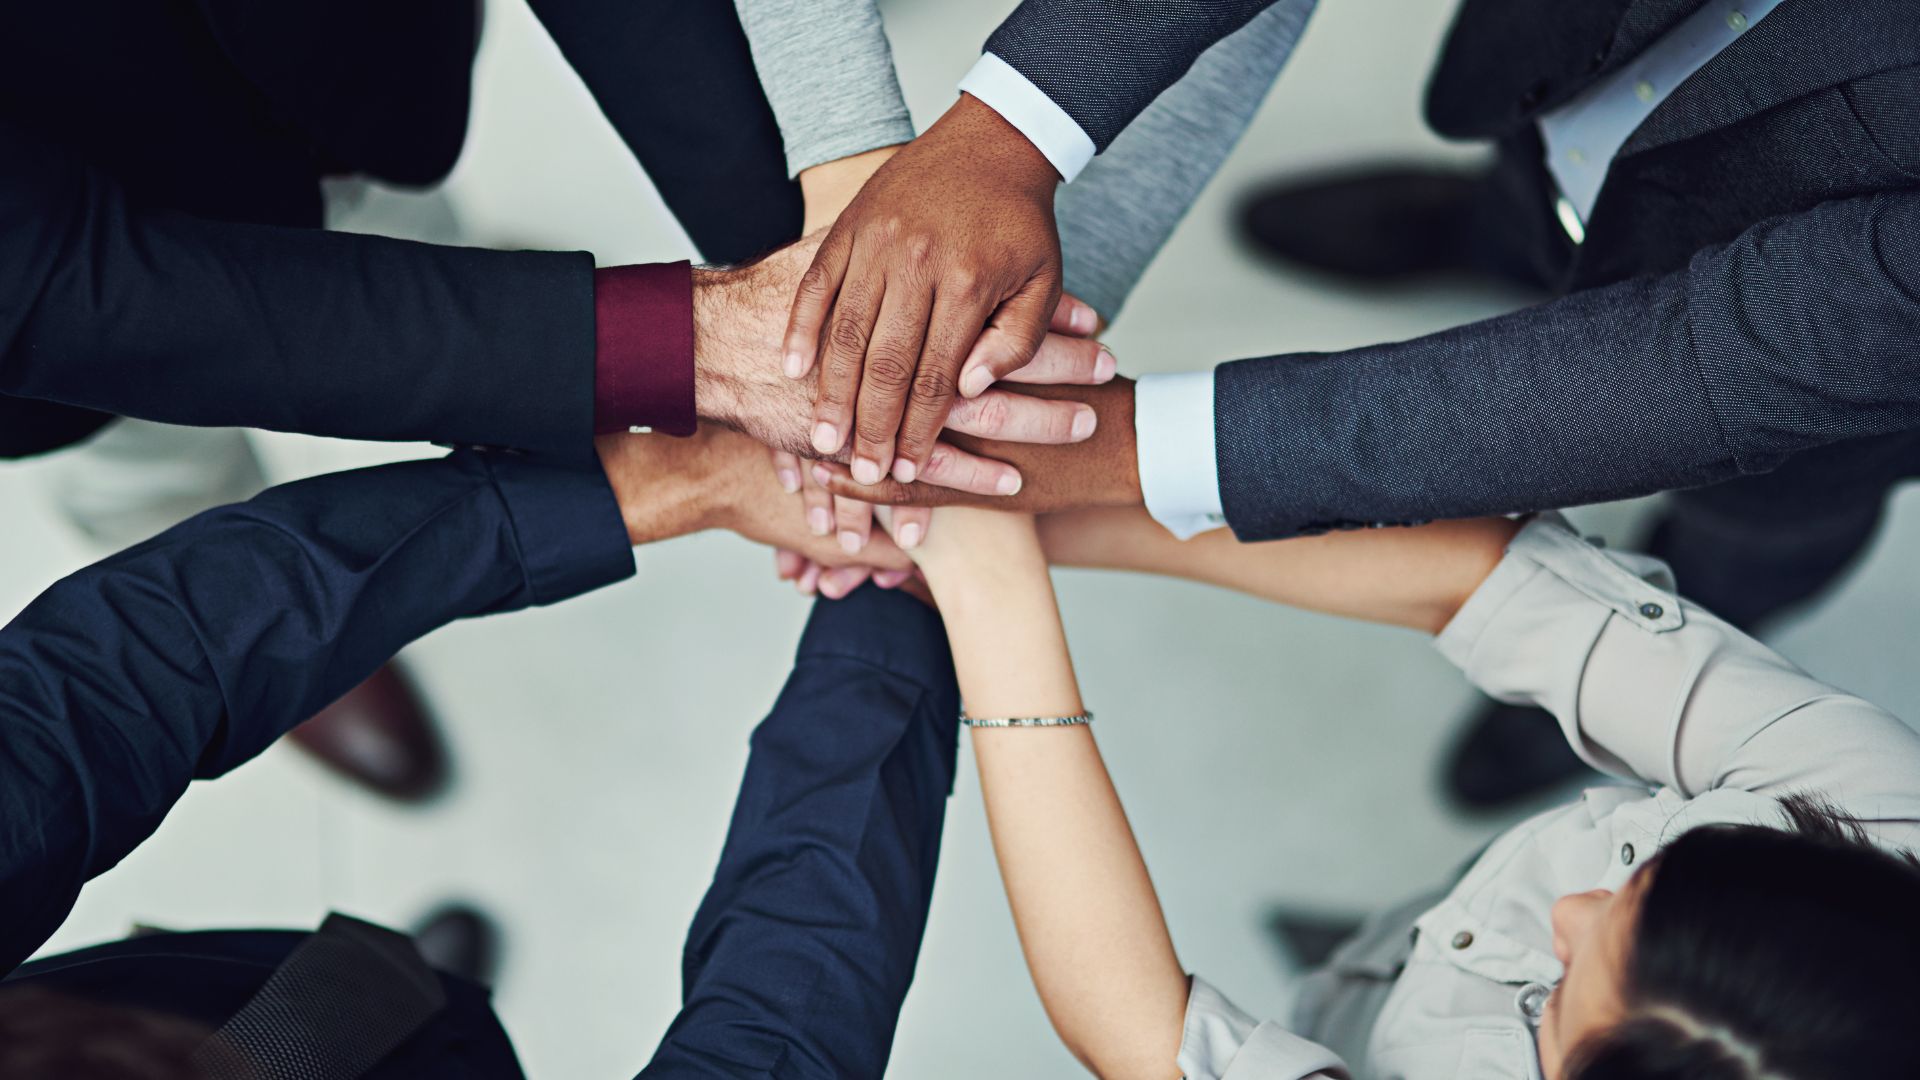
(800, 956)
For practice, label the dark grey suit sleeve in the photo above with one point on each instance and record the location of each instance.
(1803, 331)
(1104, 61)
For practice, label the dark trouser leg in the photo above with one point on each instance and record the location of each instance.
(800, 955)
(1753, 547)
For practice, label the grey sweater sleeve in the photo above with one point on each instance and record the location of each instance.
(828, 71)
(1117, 215)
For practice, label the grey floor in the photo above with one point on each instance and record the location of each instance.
(1266, 755)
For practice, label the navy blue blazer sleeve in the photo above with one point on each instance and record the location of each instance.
(1104, 61)
(677, 82)
(127, 309)
(188, 655)
(1803, 331)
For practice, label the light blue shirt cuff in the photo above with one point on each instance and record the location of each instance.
(1173, 431)
(1024, 105)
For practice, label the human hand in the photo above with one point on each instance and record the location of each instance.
(1058, 363)
(953, 234)
(827, 188)
(977, 554)
(737, 314)
(1102, 471)
(717, 479)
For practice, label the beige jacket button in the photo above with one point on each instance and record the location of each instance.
(1463, 939)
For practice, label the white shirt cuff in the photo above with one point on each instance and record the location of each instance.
(1024, 105)
(1173, 431)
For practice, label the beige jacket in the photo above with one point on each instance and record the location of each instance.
(1709, 725)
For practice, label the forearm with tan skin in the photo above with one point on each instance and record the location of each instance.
(1095, 939)
(717, 479)
(1090, 924)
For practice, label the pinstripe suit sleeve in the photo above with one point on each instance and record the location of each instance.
(1800, 333)
(1104, 61)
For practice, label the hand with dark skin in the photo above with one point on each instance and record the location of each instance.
(1103, 471)
(739, 315)
(940, 277)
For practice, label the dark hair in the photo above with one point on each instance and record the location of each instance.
(1770, 954)
(48, 1034)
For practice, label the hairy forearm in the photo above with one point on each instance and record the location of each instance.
(1095, 939)
(1414, 577)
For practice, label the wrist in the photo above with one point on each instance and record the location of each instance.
(994, 143)
(665, 487)
(827, 189)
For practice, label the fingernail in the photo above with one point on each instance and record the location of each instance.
(793, 365)
(1084, 422)
(1009, 484)
(1105, 366)
(850, 542)
(790, 480)
(904, 470)
(910, 535)
(975, 382)
(822, 475)
(819, 521)
(866, 471)
(826, 438)
(1083, 319)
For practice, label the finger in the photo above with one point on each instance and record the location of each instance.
(948, 468)
(819, 509)
(849, 329)
(809, 582)
(787, 565)
(813, 301)
(1074, 316)
(838, 582)
(1022, 322)
(853, 521)
(1066, 360)
(892, 358)
(787, 467)
(951, 331)
(1020, 418)
(909, 526)
(891, 579)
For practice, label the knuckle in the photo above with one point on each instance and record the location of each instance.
(846, 335)
(871, 430)
(888, 369)
(992, 414)
(932, 386)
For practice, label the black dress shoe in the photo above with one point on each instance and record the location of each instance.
(461, 940)
(1511, 755)
(380, 737)
(1375, 225)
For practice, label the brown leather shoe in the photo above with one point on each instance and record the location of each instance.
(380, 737)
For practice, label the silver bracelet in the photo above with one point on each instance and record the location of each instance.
(1028, 721)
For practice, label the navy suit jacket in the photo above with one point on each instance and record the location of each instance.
(159, 211)
(187, 655)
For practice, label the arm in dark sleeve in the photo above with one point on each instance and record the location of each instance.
(164, 316)
(1104, 61)
(678, 83)
(187, 655)
(1803, 331)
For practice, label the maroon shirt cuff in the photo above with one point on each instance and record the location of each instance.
(643, 348)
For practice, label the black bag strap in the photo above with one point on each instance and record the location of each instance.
(341, 1002)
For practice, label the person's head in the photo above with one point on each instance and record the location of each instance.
(47, 1034)
(1743, 953)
